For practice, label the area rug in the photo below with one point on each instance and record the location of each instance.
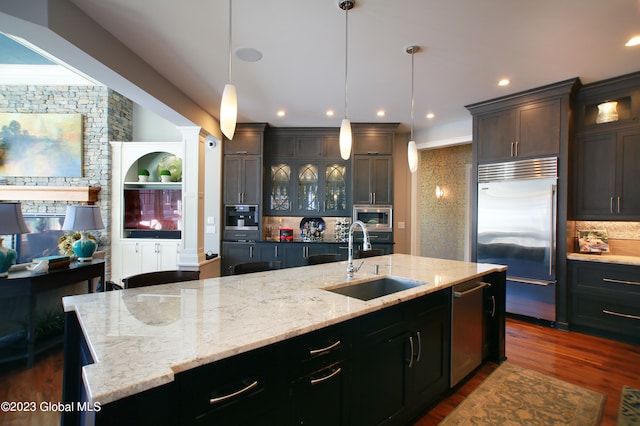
(629, 411)
(512, 395)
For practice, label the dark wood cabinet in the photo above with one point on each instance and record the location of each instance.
(403, 364)
(320, 366)
(532, 130)
(373, 163)
(237, 252)
(242, 390)
(606, 184)
(242, 168)
(304, 174)
(523, 125)
(242, 179)
(607, 151)
(373, 179)
(605, 299)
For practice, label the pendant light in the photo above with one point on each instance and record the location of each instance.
(229, 104)
(345, 128)
(412, 149)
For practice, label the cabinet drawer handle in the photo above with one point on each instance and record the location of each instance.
(327, 377)
(220, 399)
(372, 153)
(241, 152)
(611, 280)
(618, 314)
(328, 348)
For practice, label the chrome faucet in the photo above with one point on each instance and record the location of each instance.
(366, 245)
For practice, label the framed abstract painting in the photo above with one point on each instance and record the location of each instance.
(41, 145)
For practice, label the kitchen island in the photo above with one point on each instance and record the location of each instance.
(153, 349)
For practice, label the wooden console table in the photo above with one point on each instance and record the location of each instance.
(26, 283)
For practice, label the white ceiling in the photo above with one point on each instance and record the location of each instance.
(468, 45)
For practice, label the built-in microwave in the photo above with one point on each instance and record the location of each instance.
(376, 218)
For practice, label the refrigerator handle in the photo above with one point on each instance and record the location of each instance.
(552, 240)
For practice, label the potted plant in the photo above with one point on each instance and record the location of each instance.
(165, 175)
(143, 175)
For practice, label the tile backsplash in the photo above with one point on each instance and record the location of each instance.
(615, 230)
(271, 227)
(624, 237)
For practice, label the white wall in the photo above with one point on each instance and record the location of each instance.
(150, 127)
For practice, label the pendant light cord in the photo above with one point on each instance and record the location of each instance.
(346, 60)
(412, 101)
(230, 56)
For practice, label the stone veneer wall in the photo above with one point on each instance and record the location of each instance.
(442, 222)
(107, 115)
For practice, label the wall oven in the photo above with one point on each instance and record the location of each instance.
(376, 218)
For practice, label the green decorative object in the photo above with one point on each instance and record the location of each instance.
(172, 163)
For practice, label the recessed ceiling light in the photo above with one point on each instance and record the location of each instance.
(633, 41)
(330, 113)
(248, 54)
(504, 82)
(281, 113)
(380, 113)
(430, 115)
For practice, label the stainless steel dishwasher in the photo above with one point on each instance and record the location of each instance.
(466, 329)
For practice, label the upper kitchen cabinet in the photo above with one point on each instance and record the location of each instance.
(304, 174)
(373, 163)
(607, 151)
(242, 179)
(524, 125)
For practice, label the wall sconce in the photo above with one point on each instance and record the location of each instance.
(439, 192)
(607, 112)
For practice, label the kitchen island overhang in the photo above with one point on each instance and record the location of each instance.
(139, 339)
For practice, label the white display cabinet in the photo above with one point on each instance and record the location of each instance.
(146, 216)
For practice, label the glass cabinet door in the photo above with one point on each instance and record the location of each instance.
(335, 187)
(280, 189)
(308, 188)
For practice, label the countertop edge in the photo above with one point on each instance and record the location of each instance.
(605, 258)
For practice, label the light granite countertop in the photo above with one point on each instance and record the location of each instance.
(140, 338)
(605, 258)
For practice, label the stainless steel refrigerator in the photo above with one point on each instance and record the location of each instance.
(517, 219)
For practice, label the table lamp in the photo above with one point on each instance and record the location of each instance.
(83, 219)
(11, 222)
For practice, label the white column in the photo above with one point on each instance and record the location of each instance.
(192, 250)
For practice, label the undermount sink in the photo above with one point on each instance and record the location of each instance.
(376, 288)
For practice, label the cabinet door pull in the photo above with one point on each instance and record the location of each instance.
(618, 314)
(327, 377)
(220, 399)
(411, 356)
(611, 280)
(493, 306)
(374, 198)
(517, 144)
(276, 248)
(511, 153)
(419, 346)
(250, 251)
(611, 205)
(328, 348)
(618, 204)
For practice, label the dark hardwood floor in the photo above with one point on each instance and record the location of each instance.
(598, 364)
(595, 363)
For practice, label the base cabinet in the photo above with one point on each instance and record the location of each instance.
(605, 300)
(403, 364)
(147, 256)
